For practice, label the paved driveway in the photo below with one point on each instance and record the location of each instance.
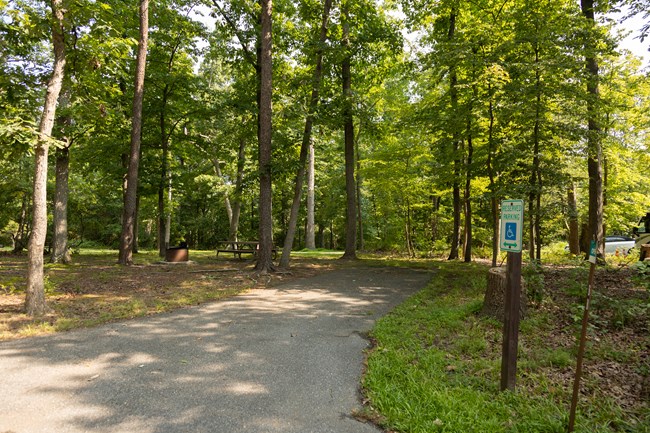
(285, 359)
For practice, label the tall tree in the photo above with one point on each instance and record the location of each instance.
(265, 258)
(594, 143)
(35, 304)
(348, 138)
(453, 94)
(130, 199)
(306, 144)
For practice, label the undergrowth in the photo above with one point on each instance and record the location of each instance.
(435, 367)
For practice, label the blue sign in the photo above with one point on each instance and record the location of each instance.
(511, 231)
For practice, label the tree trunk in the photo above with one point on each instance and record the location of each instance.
(163, 229)
(264, 258)
(35, 304)
(136, 224)
(453, 93)
(129, 213)
(239, 185)
(435, 205)
(468, 178)
(468, 202)
(494, 202)
(306, 139)
(534, 247)
(594, 146)
(407, 231)
(226, 197)
(495, 296)
(168, 216)
(310, 241)
(19, 237)
(360, 243)
(348, 132)
(60, 252)
(574, 235)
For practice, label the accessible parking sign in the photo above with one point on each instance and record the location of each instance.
(512, 222)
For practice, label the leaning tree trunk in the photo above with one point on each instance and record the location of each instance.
(306, 140)
(35, 292)
(265, 258)
(129, 214)
(60, 252)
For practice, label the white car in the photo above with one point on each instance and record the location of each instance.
(619, 245)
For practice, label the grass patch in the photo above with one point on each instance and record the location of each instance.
(436, 368)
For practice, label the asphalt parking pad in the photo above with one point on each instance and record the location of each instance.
(285, 359)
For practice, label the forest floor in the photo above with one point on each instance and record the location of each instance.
(94, 289)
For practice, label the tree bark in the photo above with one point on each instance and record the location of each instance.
(60, 252)
(310, 238)
(494, 302)
(574, 235)
(348, 132)
(594, 145)
(264, 258)
(306, 139)
(129, 213)
(35, 304)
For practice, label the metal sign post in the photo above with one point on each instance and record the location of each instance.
(512, 220)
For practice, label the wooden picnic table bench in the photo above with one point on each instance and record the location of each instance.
(237, 248)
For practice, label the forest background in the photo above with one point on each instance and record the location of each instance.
(452, 106)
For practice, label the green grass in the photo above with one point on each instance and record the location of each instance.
(436, 368)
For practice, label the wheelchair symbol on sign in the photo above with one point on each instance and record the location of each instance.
(511, 231)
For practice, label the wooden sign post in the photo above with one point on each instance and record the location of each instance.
(512, 219)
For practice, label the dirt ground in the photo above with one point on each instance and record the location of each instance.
(617, 357)
(93, 289)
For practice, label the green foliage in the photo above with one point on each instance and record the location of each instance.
(533, 275)
(518, 70)
(642, 276)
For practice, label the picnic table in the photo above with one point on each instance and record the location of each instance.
(237, 248)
